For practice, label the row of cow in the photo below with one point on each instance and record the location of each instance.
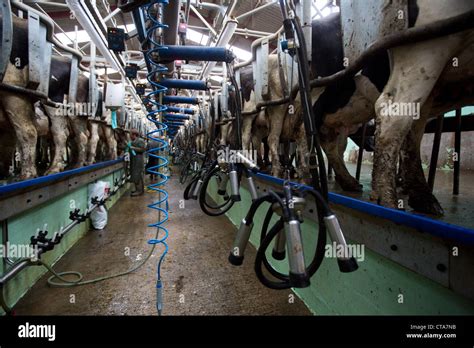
(430, 77)
(44, 139)
(421, 74)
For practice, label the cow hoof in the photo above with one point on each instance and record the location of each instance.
(276, 172)
(52, 171)
(388, 204)
(426, 204)
(307, 181)
(264, 169)
(352, 186)
(374, 196)
(27, 176)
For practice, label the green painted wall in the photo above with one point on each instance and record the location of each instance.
(372, 290)
(56, 214)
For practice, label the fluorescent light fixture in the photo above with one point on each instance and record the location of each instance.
(240, 53)
(216, 78)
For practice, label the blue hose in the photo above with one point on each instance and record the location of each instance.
(186, 84)
(159, 136)
(176, 116)
(180, 100)
(201, 53)
(175, 109)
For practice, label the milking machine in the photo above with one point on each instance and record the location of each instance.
(290, 203)
(226, 171)
(289, 206)
(227, 174)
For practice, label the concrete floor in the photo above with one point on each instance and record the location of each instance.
(198, 279)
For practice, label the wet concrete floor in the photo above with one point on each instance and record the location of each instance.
(198, 279)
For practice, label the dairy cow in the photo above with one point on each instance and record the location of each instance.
(17, 110)
(273, 123)
(419, 76)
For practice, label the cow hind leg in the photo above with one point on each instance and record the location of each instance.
(389, 134)
(302, 169)
(277, 117)
(256, 146)
(111, 143)
(59, 133)
(415, 70)
(79, 126)
(420, 197)
(332, 145)
(93, 142)
(19, 111)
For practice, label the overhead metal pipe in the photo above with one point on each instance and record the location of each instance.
(203, 20)
(255, 10)
(85, 18)
(257, 43)
(49, 28)
(170, 35)
(111, 14)
(48, 3)
(223, 40)
(209, 6)
(240, 31)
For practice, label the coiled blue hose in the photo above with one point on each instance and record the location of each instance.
(158, 135)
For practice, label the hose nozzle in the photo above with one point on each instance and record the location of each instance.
(159, 297)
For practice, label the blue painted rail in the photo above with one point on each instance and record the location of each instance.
(48, 179)
(418, 222)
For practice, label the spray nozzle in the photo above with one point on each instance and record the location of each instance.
(159, 296)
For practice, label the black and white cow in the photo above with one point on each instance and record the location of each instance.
(418, 74)
(17, 110)
(64, 124)
(273, 123)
